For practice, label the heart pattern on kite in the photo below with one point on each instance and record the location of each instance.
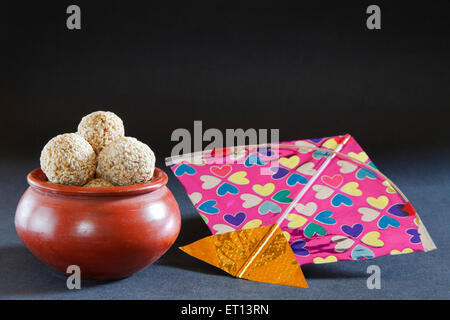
(236, 219)
(346, 212)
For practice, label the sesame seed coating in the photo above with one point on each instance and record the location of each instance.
(126, 161)
(68, 159)
(98, 182)
(100, 128)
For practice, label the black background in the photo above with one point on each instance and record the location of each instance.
(309, 68)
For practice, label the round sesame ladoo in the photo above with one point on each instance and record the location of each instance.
(100, 128)
(68, 159)
(98, 182)
(126, 161)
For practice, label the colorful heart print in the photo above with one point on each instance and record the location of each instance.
(254, 159)
(360, 253)
(282, 196)
(334, 181)
(221, 171)
(226, 188)
(348, 211)
(325, 217)
(269, 207)
(307, 210)
(239, 178)
(298, 247)
(209, 207)
(313, 229)
(400, 210)
(353, 231)
(341, 199)
(235, 219)
(296, 178)
(184, 169)
(279, 172)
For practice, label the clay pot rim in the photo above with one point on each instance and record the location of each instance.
(38, 180)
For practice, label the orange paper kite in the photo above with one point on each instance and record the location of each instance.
(259, 254)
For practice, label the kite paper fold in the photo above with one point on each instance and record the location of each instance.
(325, 195)
(259, 254)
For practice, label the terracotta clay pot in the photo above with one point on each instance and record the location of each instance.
(110, 233)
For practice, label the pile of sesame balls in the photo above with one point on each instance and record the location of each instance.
(97, 155)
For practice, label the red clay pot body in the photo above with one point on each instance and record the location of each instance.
(110, 233)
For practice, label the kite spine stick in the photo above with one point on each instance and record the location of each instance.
(292, 204)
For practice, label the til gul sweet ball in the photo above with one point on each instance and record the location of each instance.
(126, 161)
(68, 159)
(98, 150)
(98, 182)
(100, 128)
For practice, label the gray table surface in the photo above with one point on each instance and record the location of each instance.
(423, 177)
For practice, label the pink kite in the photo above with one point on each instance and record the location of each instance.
(325, 195)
